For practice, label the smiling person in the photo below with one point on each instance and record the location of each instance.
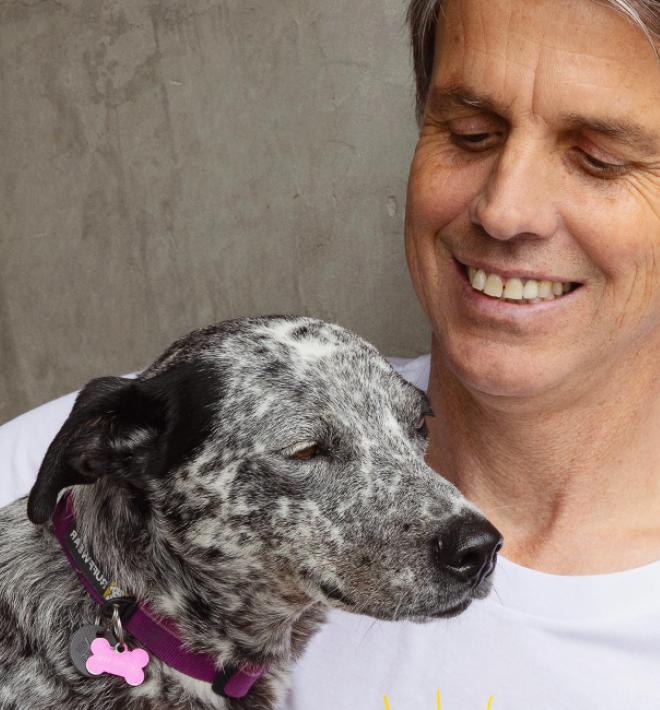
(533, 242)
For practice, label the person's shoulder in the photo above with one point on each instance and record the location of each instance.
(413, 369)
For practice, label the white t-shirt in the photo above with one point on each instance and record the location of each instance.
(538, 642)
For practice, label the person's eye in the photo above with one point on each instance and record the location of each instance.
(601, 168)
(465, 140)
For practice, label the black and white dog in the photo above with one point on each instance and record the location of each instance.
(210, 511)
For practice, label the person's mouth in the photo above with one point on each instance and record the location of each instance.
(520, 287)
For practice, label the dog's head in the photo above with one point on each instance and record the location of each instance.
(288, 453)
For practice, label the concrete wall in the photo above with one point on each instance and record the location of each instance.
(169, 164)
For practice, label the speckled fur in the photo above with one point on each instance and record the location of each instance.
(200, 511)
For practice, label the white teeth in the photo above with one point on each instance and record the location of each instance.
(531, 292)
(513, 289)
(545, 289)
(531, 289)
(494, 286)
(479, 280)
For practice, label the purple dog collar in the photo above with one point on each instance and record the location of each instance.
(155, 633)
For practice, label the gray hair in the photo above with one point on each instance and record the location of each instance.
(422, 16)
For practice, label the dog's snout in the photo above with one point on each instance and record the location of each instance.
(468, 549)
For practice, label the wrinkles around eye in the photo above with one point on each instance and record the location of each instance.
(477, 142)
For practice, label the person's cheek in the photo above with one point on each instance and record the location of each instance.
(620, 234)
(439, 189)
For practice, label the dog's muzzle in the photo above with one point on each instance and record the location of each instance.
(467, 549)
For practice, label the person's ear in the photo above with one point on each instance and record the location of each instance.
(115, 429)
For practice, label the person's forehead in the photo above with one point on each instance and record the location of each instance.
(583, 30)
(502, 57)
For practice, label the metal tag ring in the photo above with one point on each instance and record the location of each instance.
(117, 628)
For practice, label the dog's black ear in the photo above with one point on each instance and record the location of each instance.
(111, 431)
(129, 430)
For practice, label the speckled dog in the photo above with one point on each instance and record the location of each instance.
(259, 472)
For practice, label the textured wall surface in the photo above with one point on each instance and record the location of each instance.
(167, 164)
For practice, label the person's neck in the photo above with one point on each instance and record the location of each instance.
(572, 485)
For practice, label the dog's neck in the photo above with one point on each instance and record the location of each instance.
(219, 609)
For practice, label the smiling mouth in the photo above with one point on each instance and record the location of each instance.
(520, 291)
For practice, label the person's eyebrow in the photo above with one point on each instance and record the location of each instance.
(623, 131)
(442, 99)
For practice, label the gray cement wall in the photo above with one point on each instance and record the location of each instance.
(166, 164)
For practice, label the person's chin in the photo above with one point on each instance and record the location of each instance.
(496, 369)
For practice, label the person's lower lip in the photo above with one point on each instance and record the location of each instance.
(499, 308)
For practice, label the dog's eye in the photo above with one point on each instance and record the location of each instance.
(309, 452)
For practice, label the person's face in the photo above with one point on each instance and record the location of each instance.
(522, 187)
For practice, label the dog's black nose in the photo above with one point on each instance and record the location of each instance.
(468, 548)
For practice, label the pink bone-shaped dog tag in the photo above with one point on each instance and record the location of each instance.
(126, 664)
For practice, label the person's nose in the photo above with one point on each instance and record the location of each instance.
(517, 196)
(468, 548)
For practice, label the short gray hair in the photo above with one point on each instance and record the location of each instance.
(422, 16)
